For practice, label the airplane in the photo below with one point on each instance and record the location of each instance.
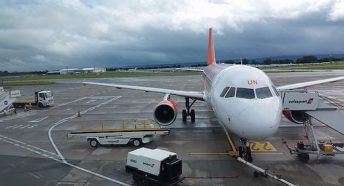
(243, 98)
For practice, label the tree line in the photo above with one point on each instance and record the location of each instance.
(301, 60)
(6, 73)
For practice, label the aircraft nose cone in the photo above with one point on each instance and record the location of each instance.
(260, 122)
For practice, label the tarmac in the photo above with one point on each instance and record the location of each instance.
(32, 143)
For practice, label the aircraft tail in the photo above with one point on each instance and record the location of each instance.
(211, 52)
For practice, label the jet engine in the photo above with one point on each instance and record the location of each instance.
(165, 112)
(296, 116)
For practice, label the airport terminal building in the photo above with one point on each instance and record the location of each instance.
(79, 70)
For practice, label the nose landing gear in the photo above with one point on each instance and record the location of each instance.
(188, 112)
(245, 150)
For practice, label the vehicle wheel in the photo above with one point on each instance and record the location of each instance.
(192, 115)
(248, 154)
(304, 157)
(40, 105)
(94, 143)
(136, 179)
(184, 115)
(256, 174)
(137, 142)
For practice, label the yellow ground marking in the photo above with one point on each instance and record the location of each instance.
(208, 153)
(234, 151)
(262, 146)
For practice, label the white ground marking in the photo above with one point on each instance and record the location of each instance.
(72, 117)
(32, 126)
(35, 175)
(90, 101)
(20, 126)
(38, 120)
(63, 104)
(54, 156)
(100, 97)
(25, 126)
(25, 146)
(17, 126)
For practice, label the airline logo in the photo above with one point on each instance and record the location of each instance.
(134, 161)
(309, 101)
(252, 82)
(150, 165)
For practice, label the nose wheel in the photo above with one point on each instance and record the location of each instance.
(188, 112)
(245, 150)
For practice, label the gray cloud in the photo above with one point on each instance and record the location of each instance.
(48, 34)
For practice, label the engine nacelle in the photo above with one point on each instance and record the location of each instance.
(296, 116)
(165, 112)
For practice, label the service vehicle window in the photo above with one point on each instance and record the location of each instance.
(230, 93)
(263, 93)
(42, 95)
(246, 93)
(48, 94)
(224, 91)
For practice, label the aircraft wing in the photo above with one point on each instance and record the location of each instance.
(191, 69)
(309, 83)
(190, 94)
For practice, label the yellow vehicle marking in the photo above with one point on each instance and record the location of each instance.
(262, 146)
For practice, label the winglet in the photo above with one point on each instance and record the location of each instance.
(211, 52)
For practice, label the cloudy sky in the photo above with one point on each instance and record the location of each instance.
(54, 34)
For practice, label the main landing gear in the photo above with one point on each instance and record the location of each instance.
(187, 112)
(245, 150)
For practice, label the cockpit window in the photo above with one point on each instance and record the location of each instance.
(263, 93)
(224, 92)
(246, 93)
(230, 93)
(275, 90)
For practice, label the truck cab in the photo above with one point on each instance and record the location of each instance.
(44, 98)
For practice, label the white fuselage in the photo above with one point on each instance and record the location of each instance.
(243, 99)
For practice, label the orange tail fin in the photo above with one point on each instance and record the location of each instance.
(211, 51)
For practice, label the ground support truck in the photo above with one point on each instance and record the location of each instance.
(43, 98)
(154, 167)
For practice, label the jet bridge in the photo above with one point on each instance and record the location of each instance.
(310, 105)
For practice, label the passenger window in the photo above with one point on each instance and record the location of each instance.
(230, 93)
(245, 93)
(224, 91)
(263, 93)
